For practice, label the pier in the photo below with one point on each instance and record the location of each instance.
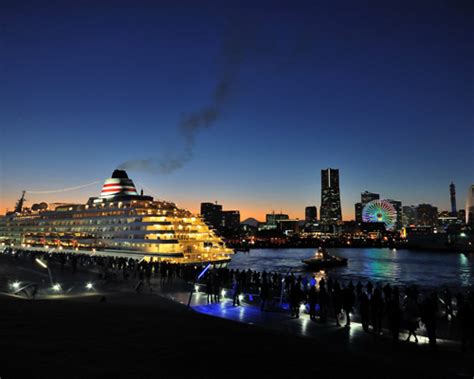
(160, 303)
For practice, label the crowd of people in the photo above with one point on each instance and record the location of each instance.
(375, 306)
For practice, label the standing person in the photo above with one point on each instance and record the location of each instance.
(387, 292)
(337, 301)
(141, 276)
(394, 314)
(295, 298)
(209, 289)
(411, 316)
(370, 287)
(376, 308)
(428, 316)
(235, 291)
(313, 300)
(364, 306)
(348, 300)
(148, 274)
(359, 288)
(323, 302)
(264, 290)
(216, 287)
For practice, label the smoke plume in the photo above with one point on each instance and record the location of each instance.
(230, 58)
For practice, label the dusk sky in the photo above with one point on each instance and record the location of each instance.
(238, 102)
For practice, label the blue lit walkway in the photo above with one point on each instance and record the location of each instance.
(350, 338)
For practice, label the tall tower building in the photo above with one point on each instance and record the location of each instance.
(470, 206)
(330, 209)
(311, 214)
(452, 193)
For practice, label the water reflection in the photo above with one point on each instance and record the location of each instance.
(401, 267)
(465, 267)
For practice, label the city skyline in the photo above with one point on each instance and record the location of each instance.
(272, 95)
(64, 196)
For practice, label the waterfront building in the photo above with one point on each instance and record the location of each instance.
(452, 194)
(426, 215)
(212, 214)
(445, 219)
(365, 197)
(470, 206)
(311, 214)
(330, 209)
(230, 221)
(409, 215)
(119, 222)
(273, 218)
(289, 227)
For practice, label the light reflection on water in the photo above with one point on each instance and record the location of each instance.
(400, 267)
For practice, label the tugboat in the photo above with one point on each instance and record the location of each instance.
(322, 260)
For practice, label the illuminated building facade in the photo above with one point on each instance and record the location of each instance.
(470, 206)
(452, 195)
(230, 221)
(273, 218)
(426, 215)
(365, 197)
(409, 215)
(118, 222)
(330, 209)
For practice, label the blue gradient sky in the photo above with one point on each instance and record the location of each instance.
(382, 92)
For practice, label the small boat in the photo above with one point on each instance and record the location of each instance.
(322, 260)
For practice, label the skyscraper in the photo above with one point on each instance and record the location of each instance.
(311, 214)
(212, 214)
(230, 221)
(470, 206)
(330, 210)
(452, 193)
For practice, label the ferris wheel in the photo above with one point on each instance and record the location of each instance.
(380, 211)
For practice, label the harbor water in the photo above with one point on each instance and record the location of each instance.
(427, 269)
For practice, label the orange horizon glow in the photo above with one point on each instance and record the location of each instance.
(254, 210)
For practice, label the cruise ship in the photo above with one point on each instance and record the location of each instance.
(119, 222)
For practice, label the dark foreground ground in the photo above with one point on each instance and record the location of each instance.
(148, 336)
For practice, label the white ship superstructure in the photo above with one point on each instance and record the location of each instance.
(119, 221)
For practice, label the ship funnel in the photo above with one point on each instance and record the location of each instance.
(118, 185)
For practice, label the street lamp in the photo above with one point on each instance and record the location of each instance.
(42, 264)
